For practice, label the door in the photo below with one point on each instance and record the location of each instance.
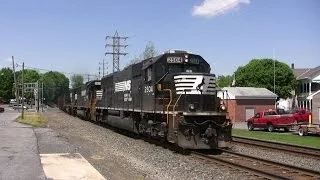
(249, 113)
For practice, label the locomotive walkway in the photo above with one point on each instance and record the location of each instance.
(20, 158)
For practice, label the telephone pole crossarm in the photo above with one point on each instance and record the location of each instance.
(111, 45)
(116, 53)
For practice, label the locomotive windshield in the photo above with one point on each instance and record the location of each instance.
(191, 68)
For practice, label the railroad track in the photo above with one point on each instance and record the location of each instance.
(250, 167)
(309, 152)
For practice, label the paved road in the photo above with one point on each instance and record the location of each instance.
(19, 157)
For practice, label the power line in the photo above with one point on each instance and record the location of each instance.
(69, 73)
(116, 45)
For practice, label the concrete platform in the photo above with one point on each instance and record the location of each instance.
(68, 166)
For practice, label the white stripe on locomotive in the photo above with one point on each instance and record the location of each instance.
(188, 84)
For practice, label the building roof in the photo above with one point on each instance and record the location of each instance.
(247, 93)
(310, 97)
(298, 72)
(307, 73)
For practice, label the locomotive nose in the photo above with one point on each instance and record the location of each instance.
(210, 132)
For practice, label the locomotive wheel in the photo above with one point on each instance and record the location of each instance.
(250, 126)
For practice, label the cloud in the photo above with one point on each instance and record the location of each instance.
(211, 8)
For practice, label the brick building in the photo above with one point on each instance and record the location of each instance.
(244, 102)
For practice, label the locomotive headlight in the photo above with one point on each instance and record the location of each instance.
(222, 107)
(191, 107)
(186, 58)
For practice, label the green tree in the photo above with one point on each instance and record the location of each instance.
(55, 84)
(30, 76)
(224, 81)
(149, 51)
(76, 81)
(6, 84)
(260, 73)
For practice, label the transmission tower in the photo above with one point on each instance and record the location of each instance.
(116, 45)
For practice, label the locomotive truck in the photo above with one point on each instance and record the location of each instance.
(171, 97)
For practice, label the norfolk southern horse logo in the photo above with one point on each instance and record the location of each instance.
(200, 85)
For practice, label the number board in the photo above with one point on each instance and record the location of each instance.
(194, 61)
(174, 60)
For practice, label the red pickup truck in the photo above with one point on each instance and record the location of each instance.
(270, 120)
(300, 116)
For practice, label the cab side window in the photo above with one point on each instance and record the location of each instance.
(148, 74)
(257, 115)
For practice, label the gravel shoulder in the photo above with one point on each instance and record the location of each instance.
(277, 156)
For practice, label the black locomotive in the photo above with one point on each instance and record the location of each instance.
(171, 97)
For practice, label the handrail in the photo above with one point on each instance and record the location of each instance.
(93, 107)
(161, 77)
(170, 92)
(173, 110)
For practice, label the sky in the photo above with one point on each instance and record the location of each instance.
(69, 36)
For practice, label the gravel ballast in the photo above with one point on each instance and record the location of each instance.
(117, 156)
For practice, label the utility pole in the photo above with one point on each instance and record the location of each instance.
(15, 81)
(103, 66)
(116, 45)
(22, 93)
(274, 72)
(38, 103)
(88, 77)
(99, 72)
(274, 77)
(42, 96)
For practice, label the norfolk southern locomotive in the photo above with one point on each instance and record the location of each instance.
(171, 97)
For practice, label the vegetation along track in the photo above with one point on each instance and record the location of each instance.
(256, 168)
(313, 153)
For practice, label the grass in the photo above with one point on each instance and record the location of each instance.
(33, 119)
(309, 141)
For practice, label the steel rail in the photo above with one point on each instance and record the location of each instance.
(250, 170)
(262, 167)
(310, 152)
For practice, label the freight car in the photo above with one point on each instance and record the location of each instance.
(80, 101)
(171, 97)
